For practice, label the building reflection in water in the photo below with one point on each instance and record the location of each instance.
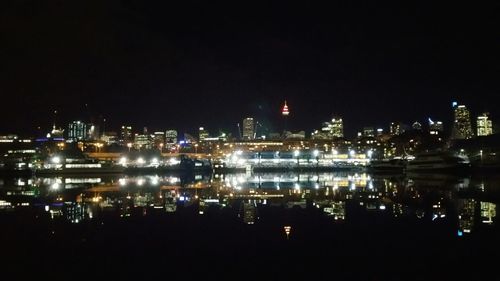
(427, 197)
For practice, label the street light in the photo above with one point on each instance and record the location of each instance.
(129, 145)
(196, 148)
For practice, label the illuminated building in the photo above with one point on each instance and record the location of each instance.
(334, 128)
(170, 138)
(142, 141)
(488, 212)
(368, 132)
(248, 129)
(396, 128)
(462, 127)
(159, 139)
(126, 134)
(435, 128)
(77, 131)
(484, 125)
(202, 134)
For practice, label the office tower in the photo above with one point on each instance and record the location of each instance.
(484, 125)
(462, 127)
(77, 131)
(248, 129)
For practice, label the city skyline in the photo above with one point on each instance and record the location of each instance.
(273, 126)
(212, 64)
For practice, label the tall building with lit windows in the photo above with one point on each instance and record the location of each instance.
(396, 128)
(77, 131)
(484, 125)
(126, 134)
(170, 138)
(334, 128)
(202, 134)
(435, 127)
(248, 129)
(462, 127)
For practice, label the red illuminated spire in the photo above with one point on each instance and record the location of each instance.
(285, 111)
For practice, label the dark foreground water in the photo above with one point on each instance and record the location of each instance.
(217, 227)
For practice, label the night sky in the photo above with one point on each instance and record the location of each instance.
(210, 63)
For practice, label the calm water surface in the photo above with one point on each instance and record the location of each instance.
(252, 226)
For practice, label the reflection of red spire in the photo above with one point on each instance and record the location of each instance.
(285, 111)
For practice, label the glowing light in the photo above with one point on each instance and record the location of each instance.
(287, 229)
(154, 180)
(55, 186)
(369, 153)
(56, 160)
(296, 153)
(285, 111)
(140, 160)
(122, 181)
(123, 161)
(154, 161)
(140, 182)
(316, 153)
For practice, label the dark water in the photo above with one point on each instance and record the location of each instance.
(342, 226)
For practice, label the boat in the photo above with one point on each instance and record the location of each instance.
(439, 161)
(396, 165)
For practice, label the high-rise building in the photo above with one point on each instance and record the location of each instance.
(334, 128)
(159, 139)
(435, 127)
(484, 125)
(77, 131)
(126, 134)
(462, 127)
(248, 129)
(396, 128)
(202, 134)
(368, 132)
(142, 141)
(170, 138)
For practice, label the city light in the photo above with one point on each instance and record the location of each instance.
(56, 160)
(296, 153)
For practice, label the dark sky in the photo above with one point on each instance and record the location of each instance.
(211, 63)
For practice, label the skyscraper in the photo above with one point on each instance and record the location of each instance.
(248, 129)
(484, 125)
(126, 134)
(435, 127)
(170, 138)
(462, 127)
(396, 128)
(77, 131)
(334, 128)
(202, 134)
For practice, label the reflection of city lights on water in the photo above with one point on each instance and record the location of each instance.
(122, 181)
